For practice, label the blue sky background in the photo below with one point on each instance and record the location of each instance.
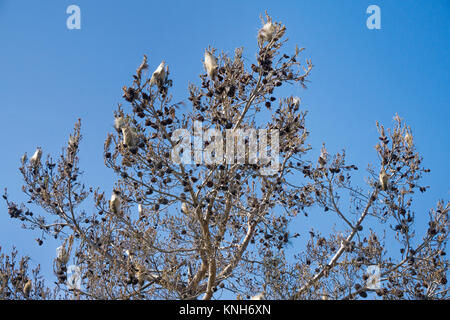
(51, 76)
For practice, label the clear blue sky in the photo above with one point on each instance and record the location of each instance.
(51, 76)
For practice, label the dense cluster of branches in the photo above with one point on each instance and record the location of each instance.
(188, 231)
